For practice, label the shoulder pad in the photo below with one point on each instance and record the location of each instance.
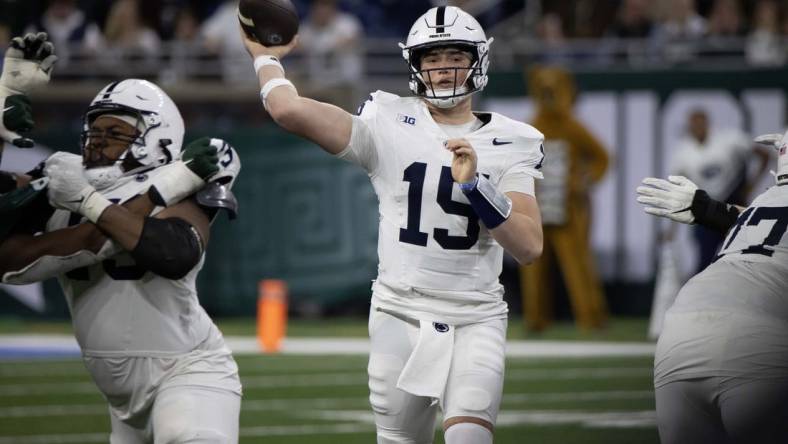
(218, 196)
(519, 129)
(384, 97)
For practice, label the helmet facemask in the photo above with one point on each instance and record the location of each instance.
(447, 27)
(147, 132)
(462, 84)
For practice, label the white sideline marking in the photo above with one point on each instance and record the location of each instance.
(619, 419)
(289, 404)
(242, 345)
(336, 380)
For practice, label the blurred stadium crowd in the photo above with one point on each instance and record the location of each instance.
(177, 39)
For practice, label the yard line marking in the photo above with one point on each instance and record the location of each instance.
(65, 438)
(578, 373)
(618, 419)
(245, 345)
(337, 380)
(289, 404)
(363, 424)
(579, 396)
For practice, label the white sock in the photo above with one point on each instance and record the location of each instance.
(468, 433)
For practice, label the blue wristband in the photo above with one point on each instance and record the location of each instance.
(492, 206)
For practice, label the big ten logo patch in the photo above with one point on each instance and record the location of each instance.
(402, 118)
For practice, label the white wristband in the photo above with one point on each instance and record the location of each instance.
(177, 183)
(270, 85)
(267, 60)
(93, 205)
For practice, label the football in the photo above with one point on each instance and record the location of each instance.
(269, 22)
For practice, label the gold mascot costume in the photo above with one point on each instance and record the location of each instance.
(574, 160)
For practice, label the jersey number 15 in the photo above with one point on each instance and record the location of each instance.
(412, 234)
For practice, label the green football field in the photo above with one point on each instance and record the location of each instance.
(323, 399)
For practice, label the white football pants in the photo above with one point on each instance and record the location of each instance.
(723, 410)
(185, 415)
(473, 388)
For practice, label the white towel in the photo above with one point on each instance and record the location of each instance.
(427, 369)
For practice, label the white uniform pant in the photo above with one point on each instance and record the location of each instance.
(185, 415)
(723, 410)
(193, 398)
(473, 388)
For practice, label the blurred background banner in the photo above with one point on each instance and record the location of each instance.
(311, 220)
(640, 68)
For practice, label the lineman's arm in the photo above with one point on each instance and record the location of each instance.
(679, 199)
(20, 250)
(324, 124)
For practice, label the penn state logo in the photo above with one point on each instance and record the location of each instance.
(440, 327)
(141, 177)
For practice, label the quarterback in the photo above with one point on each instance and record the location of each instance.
(455, 188)
(721, 365)
(124, 228)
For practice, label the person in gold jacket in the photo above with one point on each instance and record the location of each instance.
(574, 161)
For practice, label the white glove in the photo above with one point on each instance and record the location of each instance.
(69, 190)
(28, 64)
(670, 198)
(769, 139)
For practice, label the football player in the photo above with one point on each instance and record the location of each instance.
(721, 364)
(124, 228)
(455, 188)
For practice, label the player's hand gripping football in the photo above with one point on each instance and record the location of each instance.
(670, 198)
(463, 164)
(255, 49)
(28, 64)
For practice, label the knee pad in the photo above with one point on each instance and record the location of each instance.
(383, 372)
(179, 435)
(468, 433)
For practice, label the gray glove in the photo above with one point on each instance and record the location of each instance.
(670, 198)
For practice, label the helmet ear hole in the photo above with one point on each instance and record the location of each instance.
(163, 144)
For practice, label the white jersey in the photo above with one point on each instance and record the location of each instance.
(732, 318)
(118, 308)
(719, 165)
(430, 240)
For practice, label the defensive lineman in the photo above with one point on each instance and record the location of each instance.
(129, 270)
(721, 365)
(455, 188)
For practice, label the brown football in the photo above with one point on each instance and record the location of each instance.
(269, 22)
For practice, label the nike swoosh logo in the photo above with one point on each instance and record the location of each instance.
(500, 142)
(8, 109)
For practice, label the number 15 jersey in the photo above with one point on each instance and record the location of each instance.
(430, 239)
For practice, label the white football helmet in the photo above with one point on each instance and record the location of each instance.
(780, 143)
(447, 26)
(156, 118)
